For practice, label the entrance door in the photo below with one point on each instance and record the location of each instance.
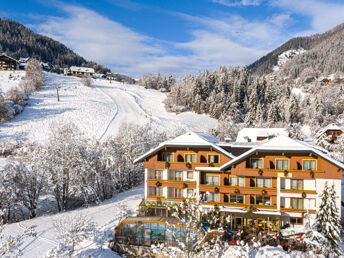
(238, 223)
(261, 224)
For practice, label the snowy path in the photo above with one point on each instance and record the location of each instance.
(98, 111)
(106, 216)
(138, 105)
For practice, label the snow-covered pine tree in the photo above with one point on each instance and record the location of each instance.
(327, 218)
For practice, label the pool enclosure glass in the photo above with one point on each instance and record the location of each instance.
(155, 232)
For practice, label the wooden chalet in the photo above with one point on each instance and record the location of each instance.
(330, 132)
(8, 63)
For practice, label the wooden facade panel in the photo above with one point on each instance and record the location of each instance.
(153, 161)
(324, 169)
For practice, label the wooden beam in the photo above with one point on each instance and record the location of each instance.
(311, 154)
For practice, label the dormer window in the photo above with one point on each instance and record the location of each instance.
(190, 158)
(213, 158)
(256, 163)
(282, 164)
(309, 165)
(167, 156)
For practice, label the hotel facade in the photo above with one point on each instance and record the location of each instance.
(266, 182)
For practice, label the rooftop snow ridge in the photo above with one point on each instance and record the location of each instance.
(252, 134)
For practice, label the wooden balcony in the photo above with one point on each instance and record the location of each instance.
(297, 210)
(172, 183)
(269, 172)
(227, 204)
(298, 191)
(243, 189)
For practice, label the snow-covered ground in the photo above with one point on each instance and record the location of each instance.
(10, 79)
(98, 111)
(106, 216)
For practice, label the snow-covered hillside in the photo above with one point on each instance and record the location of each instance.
(98, 111)
(287, 55)
(106, 216)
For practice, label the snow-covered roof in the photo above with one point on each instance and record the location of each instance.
(189, 139)
(4, 54)
(334, 127)
(251, 134)
(81, 69)
(24, 59)
(285, 144)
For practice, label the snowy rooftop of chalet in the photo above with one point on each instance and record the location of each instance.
(189, 139)
(81, 69)
(251, 134)
(333, 126)
(194, 138)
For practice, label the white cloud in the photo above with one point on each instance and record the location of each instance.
(231, 40)
(324, 14)
(97, 38)
(235, 3)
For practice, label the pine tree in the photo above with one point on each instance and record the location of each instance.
(327, 218)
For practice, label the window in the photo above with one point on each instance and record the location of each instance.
(296, 184)
(157, 174)
(294, 220)
(282, 164)
(212, 180)
(178, 192)
(190, 158)
(236, 198)
(263, 200)
(190, 193)
(309, 165)
(213, 158)
(212, 197)
(263, 182)
(256, 163)
(167, 156)
(178, 175)
(236, 181)
(190, 174)
(296, 203)
(158, 191)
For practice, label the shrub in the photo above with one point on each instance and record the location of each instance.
(87, 81)
(16, 96)
(5, 113)
(35, 74)
(26, 86)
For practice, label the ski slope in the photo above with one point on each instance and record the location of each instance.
(98, 111)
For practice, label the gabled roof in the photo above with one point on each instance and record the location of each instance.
(24, 59)
(251, 134)
(329, 127)
(81, 69)
(189, 139)
(4, 54)
(283, 144)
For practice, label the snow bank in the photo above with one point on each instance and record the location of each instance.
(10, 79)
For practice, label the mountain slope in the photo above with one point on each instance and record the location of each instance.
(98, 111)
(18, 41)
(265, 64)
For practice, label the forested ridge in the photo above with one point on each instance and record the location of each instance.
(265, 64)
(18, 41)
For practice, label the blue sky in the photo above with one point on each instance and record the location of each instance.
(179, 36)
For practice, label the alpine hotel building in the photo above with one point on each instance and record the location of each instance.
(266, 181)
